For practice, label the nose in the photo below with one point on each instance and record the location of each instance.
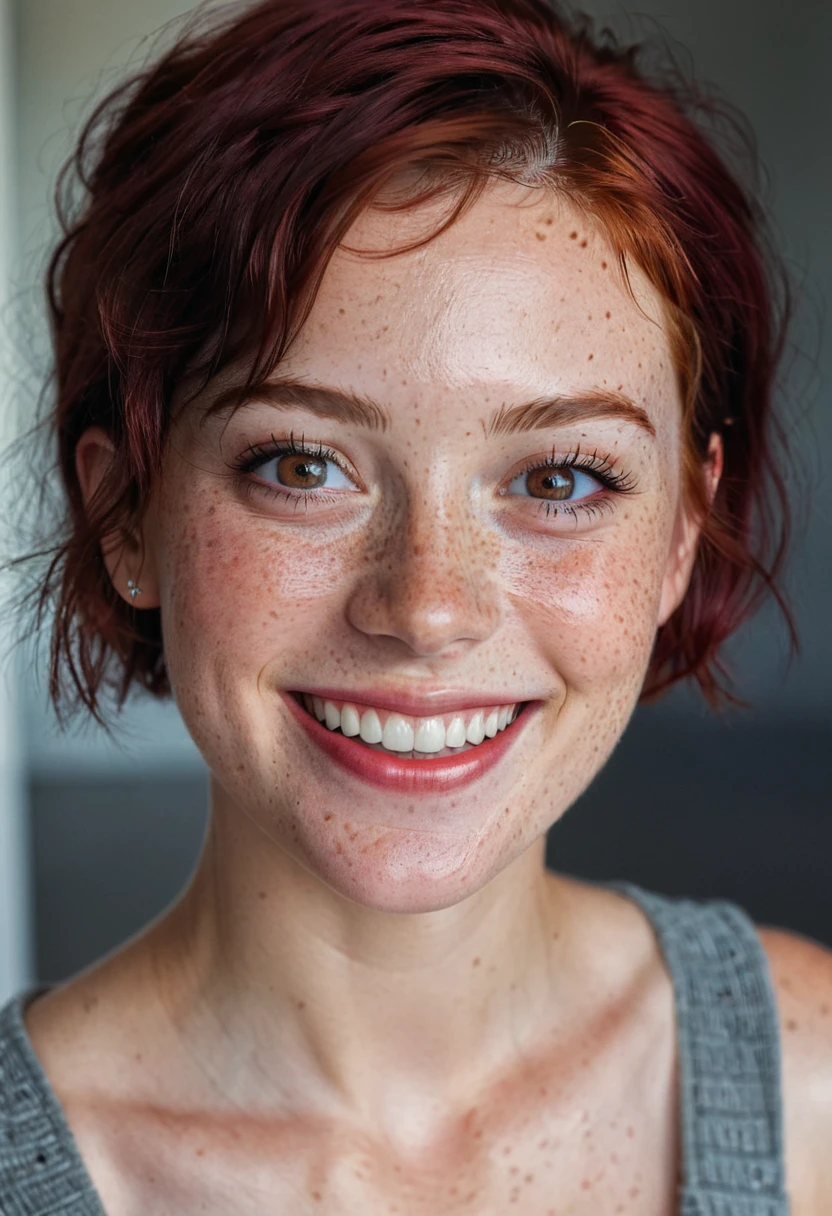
(431, 580)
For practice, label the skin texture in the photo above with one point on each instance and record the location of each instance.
(425, 579)
(358, 1001)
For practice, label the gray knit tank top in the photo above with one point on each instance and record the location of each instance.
(729, 1068)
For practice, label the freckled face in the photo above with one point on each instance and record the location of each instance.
(436, 558)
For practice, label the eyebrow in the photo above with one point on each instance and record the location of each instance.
(563, 409)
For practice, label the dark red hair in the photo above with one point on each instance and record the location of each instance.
(217, 183)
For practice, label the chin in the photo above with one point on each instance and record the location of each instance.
(391, 869)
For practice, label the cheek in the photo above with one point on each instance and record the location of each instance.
(592, 607)
(241, 590)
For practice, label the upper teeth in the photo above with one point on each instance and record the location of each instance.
(404, 734)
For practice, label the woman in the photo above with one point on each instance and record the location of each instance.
(414, 367)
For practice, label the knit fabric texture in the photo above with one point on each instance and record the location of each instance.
(729, 1070)
(728, 1037)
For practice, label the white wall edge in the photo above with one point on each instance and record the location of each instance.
(16, 945)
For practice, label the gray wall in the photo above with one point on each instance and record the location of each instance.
(115, 829)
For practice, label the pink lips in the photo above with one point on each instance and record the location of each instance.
(409, 776)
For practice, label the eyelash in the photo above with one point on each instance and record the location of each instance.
(596, 465)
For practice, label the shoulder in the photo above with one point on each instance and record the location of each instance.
(801, 972)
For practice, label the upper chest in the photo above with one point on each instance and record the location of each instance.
(624, 1159)
(590, 1128)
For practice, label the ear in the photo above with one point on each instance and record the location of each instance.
(129, 565)
(686, 533)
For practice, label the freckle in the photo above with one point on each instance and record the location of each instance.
(200, 1152)
(590, 357)
(586, 1184)
(529, 1178)
(824, 1011)
(603, 265)
(573, 236)
(316, 1194)
(791, 1024)
(301, 1004)
(138, 1057)
(476, 963)
(327, 818)
(549, 220)
(583, 244)
(541, 236)
(261, 894)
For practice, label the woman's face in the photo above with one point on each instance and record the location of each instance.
(443, 553)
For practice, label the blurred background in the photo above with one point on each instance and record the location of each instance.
(97, 837)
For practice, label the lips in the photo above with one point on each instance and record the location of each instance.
(386, 770)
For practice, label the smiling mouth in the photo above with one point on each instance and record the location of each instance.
(305, 703)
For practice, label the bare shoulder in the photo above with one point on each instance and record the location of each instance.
(801, 972)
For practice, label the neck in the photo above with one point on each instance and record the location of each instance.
(298, 995)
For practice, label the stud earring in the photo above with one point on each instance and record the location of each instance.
(133, 589)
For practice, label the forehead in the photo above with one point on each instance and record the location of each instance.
(522, 292)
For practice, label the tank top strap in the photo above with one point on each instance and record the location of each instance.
(41, 1171)
(728, 1037)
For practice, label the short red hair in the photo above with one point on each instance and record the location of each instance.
(218, 182)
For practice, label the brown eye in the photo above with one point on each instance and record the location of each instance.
(301, 472)
(551, 483)
(296, 472)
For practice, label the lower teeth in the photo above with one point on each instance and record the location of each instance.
(445, 751)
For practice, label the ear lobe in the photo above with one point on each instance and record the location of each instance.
(686, 536)
(132, 573)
